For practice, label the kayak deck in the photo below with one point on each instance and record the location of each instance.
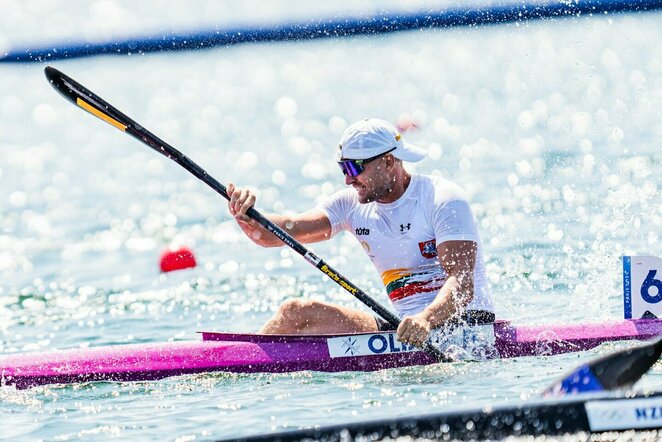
(250, 353)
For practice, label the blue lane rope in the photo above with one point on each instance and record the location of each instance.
(337, 27)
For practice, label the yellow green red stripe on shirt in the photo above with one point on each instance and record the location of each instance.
(401, 283)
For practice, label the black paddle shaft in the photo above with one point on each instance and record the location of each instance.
(97, 106)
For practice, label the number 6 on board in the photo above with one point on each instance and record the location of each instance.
(642, 287)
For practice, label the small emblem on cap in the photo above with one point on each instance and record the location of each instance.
(397, 137)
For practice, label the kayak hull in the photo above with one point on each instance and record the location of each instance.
(250, 353)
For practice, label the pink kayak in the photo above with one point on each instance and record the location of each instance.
(251, 353)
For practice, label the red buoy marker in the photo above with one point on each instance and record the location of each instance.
(178, 259)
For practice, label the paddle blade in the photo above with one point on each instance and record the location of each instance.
(617, 370)
(97, 106)
(85, 99)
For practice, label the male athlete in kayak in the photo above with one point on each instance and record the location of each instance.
(419, 231)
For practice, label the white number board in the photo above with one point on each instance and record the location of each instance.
(642, 287)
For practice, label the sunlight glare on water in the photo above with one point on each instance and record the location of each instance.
(553, 128)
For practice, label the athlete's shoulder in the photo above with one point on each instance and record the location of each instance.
(338, 208)
(346, 195)
(342, 200)
(442, 189)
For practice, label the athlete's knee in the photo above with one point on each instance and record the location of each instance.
(295, 308)
(302, 314)
(294, 305)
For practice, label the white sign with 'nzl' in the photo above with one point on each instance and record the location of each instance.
(366, 345)
(625, 414)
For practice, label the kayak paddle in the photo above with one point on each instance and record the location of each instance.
(95, 105)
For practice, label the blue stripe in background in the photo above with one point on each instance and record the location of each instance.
(627, 287)
(334, 28)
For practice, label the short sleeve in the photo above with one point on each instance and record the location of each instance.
(337, 208)
(454, 221)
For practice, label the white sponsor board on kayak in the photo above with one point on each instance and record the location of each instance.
(457, 342)
(366, 345)
(624, 414)
(642, 287)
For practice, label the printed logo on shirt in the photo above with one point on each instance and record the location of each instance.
(405, 227)
(428, 248)
(362, 231)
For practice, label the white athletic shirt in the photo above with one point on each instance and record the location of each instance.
(401, 239)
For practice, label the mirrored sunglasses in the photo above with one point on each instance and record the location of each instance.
(354, 167)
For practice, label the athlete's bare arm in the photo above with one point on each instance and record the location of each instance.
(458, 258)
(307, 227)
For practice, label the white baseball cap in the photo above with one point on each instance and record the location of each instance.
(371, 137)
